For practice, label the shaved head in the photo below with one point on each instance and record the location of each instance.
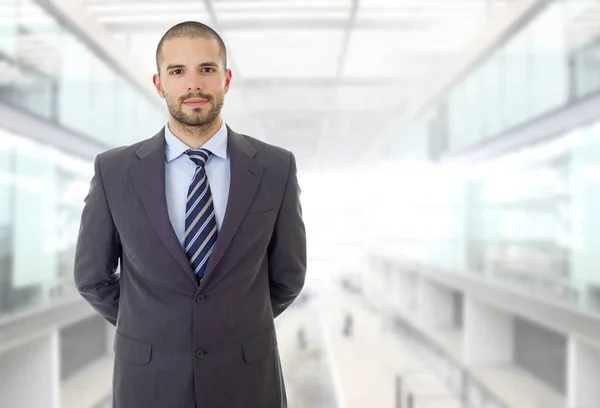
(191, 29)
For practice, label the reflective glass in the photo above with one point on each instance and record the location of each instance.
(8, 30)
(75, 92)
(38, 241)
(103, 102)
(516, 77)
(549, 62)
(549, 79)
(46, 70)
(583, 38)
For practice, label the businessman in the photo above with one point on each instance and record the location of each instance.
(206, 226)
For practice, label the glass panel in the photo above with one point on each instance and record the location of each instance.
(149, 119)
(583, 41)
(38, 53)
(35, 224)
(456, 122)
(103, 102)
(73, 177)
(549, 62)
(144, 120)
(492, 96)
(47, 71)
(8, 30)
(587, 67)
(521, 225)
(585, 191)
(525, 77)
(126, 112)
(517, 91)
(473, 114)
(33, 91)
(37, 241)
(6, 219)
(74, 92)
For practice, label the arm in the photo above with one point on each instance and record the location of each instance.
(98, 252)
(287, 249)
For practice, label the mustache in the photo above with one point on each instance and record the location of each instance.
(196, 95)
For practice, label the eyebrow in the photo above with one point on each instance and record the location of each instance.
(173, 66)
(204, 64)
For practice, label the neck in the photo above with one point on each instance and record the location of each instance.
(194, 136)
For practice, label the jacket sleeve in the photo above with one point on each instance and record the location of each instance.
(98, 252)
(287, 249)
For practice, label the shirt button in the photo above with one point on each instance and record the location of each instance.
(200, 354)
(200, 299)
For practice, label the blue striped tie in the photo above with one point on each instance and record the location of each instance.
(200, 221)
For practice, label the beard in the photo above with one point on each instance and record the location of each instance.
(201, 117)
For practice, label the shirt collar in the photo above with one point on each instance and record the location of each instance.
(216, 144)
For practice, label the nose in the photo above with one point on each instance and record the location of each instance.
(195, 83)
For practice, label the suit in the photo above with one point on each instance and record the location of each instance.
(181, 343)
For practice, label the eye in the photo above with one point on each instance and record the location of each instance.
(176, 71)
(208, 68)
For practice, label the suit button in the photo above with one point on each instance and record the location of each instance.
(200, 299)
(200, 354)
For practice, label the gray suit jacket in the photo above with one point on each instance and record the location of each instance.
(180, 344)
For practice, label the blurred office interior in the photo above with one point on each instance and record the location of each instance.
(449, 160)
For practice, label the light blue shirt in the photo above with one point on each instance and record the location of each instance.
(180, 170)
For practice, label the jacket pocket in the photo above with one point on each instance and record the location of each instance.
(260, 345)
(131, 349)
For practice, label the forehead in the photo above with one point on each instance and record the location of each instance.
(186, 49)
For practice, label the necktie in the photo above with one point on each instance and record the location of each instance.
(200, 221)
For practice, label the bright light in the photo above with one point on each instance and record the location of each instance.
(457, 17)
(140, 7)
(276, 5)
(284, 15)
(435, 5)
(159, 18)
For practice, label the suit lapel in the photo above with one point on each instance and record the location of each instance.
(148, 174)
(246, 174)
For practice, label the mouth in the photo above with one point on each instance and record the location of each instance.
(195, 103)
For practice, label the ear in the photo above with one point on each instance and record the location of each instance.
(228, 76)
(157, 85)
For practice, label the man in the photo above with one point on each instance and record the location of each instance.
(207, 227)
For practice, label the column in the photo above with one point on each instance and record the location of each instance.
(29, 375)
(434, 304)
(583, 375)
(488, 334)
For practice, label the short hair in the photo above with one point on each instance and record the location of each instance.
(191, 29)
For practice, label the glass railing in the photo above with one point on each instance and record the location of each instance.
(41, 199)
(528, 219)
(470, 391)
(459, 380)
(46, 70)
(548, 63)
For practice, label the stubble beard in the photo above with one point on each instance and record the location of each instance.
(196, 122)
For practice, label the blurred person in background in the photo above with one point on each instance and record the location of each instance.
(207, 227)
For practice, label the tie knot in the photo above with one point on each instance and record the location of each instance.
(200, 157)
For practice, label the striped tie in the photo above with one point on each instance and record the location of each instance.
(200, 221)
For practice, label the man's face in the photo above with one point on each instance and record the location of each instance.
(192, 80)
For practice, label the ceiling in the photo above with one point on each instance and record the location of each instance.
(318, 77)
